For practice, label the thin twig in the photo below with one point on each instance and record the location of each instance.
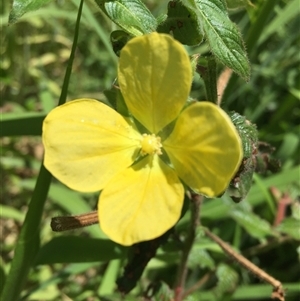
(278, 291)
(182, 270)
(198, 284)
(283, 200)
(64, 223)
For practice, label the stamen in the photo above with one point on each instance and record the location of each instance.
(151, 145)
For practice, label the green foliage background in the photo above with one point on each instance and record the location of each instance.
(34, 54)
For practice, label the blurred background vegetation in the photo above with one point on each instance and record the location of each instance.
(34, 54)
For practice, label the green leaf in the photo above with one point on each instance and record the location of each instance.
(11, 213)
(262, 291)
(21, 124)
(252, 223)
(289, 146)
(107, 285)
(20, 7)
(296, 209)
(117, 297)
(227, 280)
(281, 181)
(191, 298)
(162, 292)
(182, 23)
(236, 4)
(265, 192)
(284, 16)
(65, 249)
(222, 35)
(55, 278)
(263, 13)
(200, 257)
(131, 15)
(247, 292)
(290, 226)
(43, 290)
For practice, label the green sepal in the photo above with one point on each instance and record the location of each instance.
(242, 181)
(111, 96)
(116, 100)
(121, 105)
(257, 158)
(208, 72)
(118, 39)
(182, 23)
(247, 132)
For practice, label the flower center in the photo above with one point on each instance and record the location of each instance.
(151, 145)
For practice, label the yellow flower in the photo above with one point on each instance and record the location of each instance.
(90, 147)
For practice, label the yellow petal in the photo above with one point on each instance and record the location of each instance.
(205, 148)
(155, 78)
(141, 203)
(87, 143)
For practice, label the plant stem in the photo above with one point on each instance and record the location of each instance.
(209, 76)
(223, 80)
(278, 291)
(196, 201)
(28, 243)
